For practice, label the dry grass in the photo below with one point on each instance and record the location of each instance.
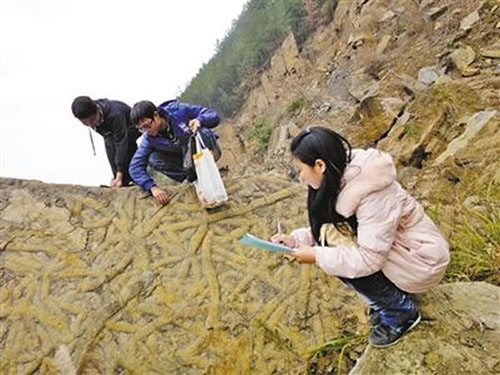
(473, 227)
(334, 351)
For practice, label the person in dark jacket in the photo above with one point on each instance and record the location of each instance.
(167, 130)
(111, 119)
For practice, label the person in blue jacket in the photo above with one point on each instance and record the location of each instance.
(167, 131)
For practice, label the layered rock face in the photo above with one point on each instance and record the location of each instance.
(124, 286)
(95, 281)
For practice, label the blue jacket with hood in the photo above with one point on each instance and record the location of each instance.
(179, 115)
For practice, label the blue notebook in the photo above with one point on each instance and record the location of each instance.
(251, 240)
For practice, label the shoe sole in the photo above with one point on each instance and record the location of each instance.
(414, 324)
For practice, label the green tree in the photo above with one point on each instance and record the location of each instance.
(223, 82)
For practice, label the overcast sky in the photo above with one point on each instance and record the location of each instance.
(54, 50)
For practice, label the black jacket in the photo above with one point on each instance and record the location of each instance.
(119, 134)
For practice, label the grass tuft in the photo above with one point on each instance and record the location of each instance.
(261, 131)
(474, 236)
(294, 106)
(339, 345)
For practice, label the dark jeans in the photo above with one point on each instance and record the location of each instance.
(393, 305)
(171, 164)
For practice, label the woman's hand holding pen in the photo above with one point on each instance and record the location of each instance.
(284, 239)
(304, 254)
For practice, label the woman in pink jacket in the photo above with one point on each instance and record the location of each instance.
(366, 230)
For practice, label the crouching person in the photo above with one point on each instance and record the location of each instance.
(379, 239)
(167, 131)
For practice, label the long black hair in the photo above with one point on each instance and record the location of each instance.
(322, 143)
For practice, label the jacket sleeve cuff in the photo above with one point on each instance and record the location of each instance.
(321, 262)
(303, 236)
(148, 185)
(329, 260)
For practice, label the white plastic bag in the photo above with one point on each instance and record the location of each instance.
(209, 185)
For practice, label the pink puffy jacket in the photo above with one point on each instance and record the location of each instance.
(394, 233)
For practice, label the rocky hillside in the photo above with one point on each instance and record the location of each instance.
(419, 79)
(407, 76)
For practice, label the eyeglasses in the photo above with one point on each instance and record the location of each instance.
(145, 125)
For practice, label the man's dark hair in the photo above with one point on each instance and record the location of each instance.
(83, 107)
(142, 109)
